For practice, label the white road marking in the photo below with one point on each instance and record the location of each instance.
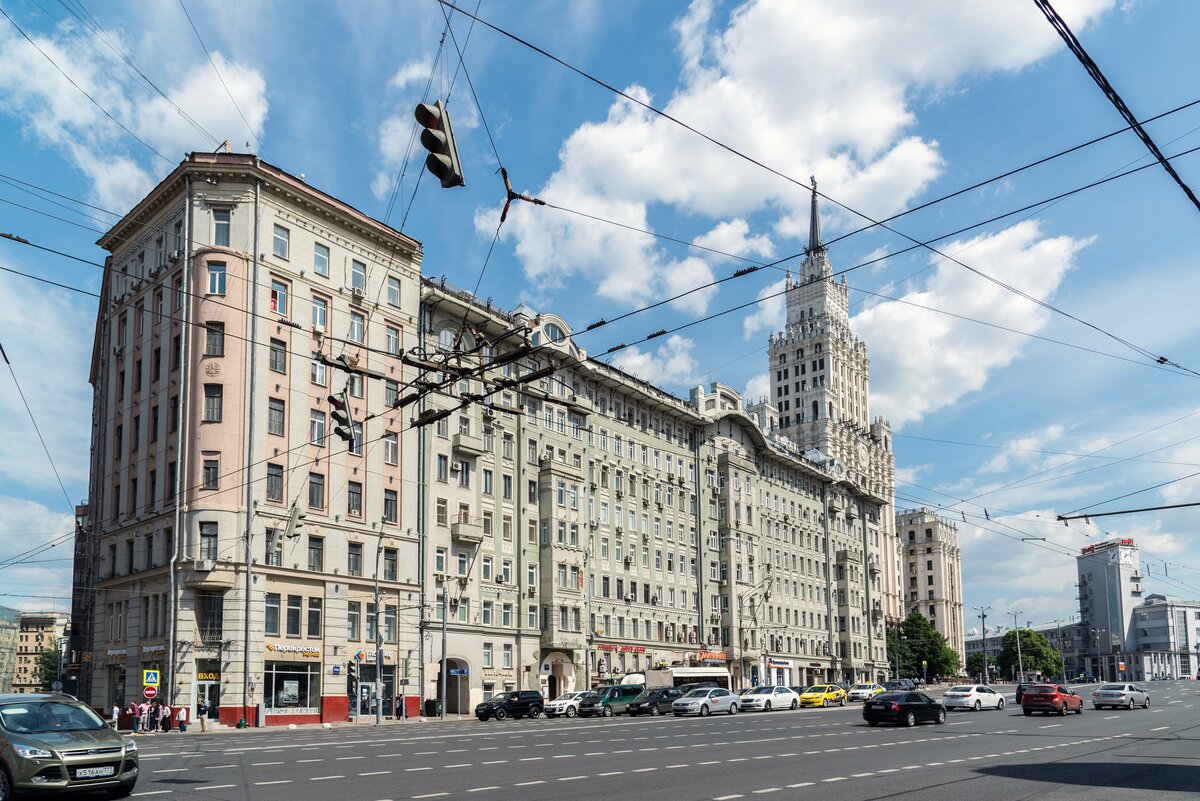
(215, 787)
(1161, 728)
(318, 778)
(170, 770)
(375, 773)
(482, 789)
(523, 784)
(277, 781)
(799, 784)
(1050, 726)
(834, 779)
(611, 773)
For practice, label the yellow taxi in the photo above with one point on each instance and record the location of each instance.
(823, 695)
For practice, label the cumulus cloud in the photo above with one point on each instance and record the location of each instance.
(770, 314)
(955, 356)
(759, 386)
(1023, 450)
(671, 364)
(43, 580)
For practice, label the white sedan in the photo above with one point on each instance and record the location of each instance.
(1115, 695)
(703, 701)
(972, 696)
(566, 704)
(864, 692)
(765, 699)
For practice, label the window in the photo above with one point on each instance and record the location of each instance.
(393, 291)
(279, 297)
(389, 506)
(443, 467)
(354, 499)
(212, 472)
(279, 242)
(391, 448)
(314, 617)
(392, 340)
(486, 613)
(506, 655)
(216, 278)
(316, 491)
(293, 615)
(316, 553)
(321, 259)
(358, 276)
(208, 541)
(316, 428)
(212, 403)
(275, 416)
(275, 483)
(391, 392)
(487, 654)
(354, 559)
(353, 620)
(356, 440)
(272, 614)
(320, 313)
(214, 340)
(389, 564)
(279, 355)
(442, 512)
(318, 370)
(357, 327)
(221, 227)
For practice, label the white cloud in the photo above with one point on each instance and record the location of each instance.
(43, 580)
(686, 276)
(1022, 451)
(955, 356)
(732, 237)
(411, 72)
(759, 386)
(770, 314)
(671, 364)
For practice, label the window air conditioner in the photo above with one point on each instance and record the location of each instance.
(356, 295)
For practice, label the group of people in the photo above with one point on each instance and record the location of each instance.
(155, 716)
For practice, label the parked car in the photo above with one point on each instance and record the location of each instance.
(864, 692)
(653, 702)
(767, 698)
(566, 704)
(905, 708)
(684, 689)
(53, 743)
(1085, 678)
(823, 695)
(1115, 695)
(972, 696)
(1047, 698)
(609, 701)
(514, 703)
(899, 684)
(704, 701)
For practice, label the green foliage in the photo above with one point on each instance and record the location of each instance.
(975, 664)
(1036, 654)
(920, 641)
(45, 672)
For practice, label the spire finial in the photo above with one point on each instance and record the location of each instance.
(814, 223)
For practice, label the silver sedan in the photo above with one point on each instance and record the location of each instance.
(1115, 695)
(704, 701)
(972, 696)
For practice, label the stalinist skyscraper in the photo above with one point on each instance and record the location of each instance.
(820, 384)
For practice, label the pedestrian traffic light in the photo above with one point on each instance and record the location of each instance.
(339, 414)
(295, 523)
(438, 139)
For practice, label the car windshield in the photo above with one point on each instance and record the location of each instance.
(962, 688)
(861, 687)
(702, 693)
(761, 691)
(1040, 688)
(46, 716)
(1113, 687)
(819, 689)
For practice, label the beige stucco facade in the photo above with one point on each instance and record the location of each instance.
(933, 573)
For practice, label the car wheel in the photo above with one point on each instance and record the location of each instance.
(941, 716)
(535, 711)
(842, 701)
(1062, 710)
(1000, 704)
(872, 723)
(123, 791)
(704, 711)
(608, 713)
(825, 702)
(1130, 704)
(1028, 712)
(482, 719)
(767, 708)
(6, 790)
(910, 720)
(571, 712)
(733, 709)
(796, 703)
(654, 710)
(977, 705)
(1146, 705)
(501, 714)
(1079, 711)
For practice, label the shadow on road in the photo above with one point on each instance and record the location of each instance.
(1130, 775)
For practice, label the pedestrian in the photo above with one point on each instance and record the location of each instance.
(133, 713)
(181, 718)
(144, 714)
(202, 714)
(164, 717)
(116, 715)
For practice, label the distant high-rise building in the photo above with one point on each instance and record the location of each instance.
(933, 572)
(10, 622)
(1110, 586)
(39, 632)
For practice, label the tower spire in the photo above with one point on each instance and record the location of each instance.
(814, 224)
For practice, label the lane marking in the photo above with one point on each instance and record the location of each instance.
(571, 778)
(278, 781)
(375, 773)
(612, 773)
(519, 784)
(482, 789)
(325, 778)
(215, 787)
(1161, 728)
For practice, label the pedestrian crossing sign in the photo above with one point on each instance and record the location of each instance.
(150, 678)
(360, 656)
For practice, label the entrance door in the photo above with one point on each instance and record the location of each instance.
(210, 691)
(553, 687)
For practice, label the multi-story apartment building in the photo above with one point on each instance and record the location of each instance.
(820, 386)
(582, 525)
(39, 631)
(1110, 586)
(933, 572)
(10, 623)
(1166, 634)
(235, 299)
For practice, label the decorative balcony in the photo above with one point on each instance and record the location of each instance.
(467, 529)
(467, 444)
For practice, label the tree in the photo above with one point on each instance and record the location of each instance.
(921, 642)
(1036, 654)
(46, 671)
(975, 664)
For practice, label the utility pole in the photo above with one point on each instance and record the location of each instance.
(1017, 629)
(445, 611)
(983, 610)
(378, 639)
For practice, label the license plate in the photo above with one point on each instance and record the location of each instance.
(95, 773)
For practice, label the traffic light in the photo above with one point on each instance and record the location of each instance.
(295, 523)
(339, 415)
(438, 139)
(274, 540)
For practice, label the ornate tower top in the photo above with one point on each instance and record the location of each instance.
(814, 224)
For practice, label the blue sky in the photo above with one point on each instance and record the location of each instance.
(888, 109)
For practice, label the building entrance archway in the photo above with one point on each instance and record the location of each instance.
(458, 686)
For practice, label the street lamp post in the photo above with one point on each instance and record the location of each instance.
(1096, 636)
(1017, 629)
(1062, 659)
(983, 610)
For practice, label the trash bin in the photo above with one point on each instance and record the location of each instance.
(433, 707)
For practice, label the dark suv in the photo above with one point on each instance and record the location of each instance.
(899, 685)
(653, 702)
(517, 703)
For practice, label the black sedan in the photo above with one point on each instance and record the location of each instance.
(906, 708)
(653, 702)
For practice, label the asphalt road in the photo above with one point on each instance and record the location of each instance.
(1136, 754)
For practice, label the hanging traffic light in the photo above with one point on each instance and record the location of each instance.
(295, 523)
(438, 139)
(339, 416)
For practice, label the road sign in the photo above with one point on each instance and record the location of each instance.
(457, 672)
(1121, 666)
(56, 686)
(360, 655)
(150, 692)
(924, 663)
(150, 678)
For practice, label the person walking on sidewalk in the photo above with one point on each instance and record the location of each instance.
(133, 713)
(144, 714)
(116, 715)
(164, 717)
(181, 719)
(202, 714)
